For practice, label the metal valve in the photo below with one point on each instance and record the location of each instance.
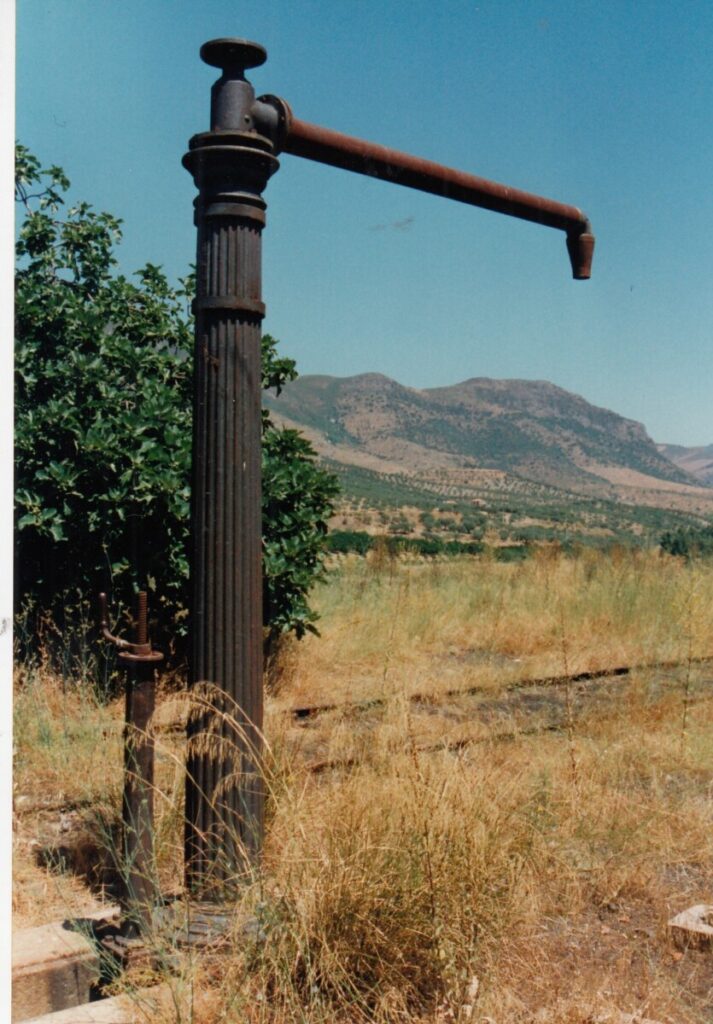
(138, 650)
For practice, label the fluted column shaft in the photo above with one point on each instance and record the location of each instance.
(224, 789)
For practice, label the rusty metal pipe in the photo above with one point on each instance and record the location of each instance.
(314, 142)
(139, 873)
(137, 854)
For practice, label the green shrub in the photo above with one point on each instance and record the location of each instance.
(345, 541)
(688, 542)
(103, 428)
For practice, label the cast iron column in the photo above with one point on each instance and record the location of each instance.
(231, 165)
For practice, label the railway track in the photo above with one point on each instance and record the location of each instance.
(369, 704)
(593, 688)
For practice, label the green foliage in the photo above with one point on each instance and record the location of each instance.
(688, 542)
(298, 498)
(102, 406)
(344, 541)
(103, 426)
(359, 541)
(511, 553)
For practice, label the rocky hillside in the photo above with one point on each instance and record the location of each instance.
(529, 429)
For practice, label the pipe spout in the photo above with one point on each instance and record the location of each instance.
(580, 247)
(326, 146)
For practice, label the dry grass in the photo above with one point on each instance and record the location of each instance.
(68, 760)
(421, 626)
(545, 866)
(67, 799)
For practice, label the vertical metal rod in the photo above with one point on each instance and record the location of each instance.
(231, 165)
(142, 618)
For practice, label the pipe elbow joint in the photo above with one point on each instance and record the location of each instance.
(272, 118)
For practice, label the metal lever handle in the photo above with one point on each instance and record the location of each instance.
(141, 649)
(104, 625)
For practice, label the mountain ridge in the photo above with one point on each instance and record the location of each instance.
(696, 460)
(535, 430)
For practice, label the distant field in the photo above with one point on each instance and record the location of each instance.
(451, 841)
(499, 508)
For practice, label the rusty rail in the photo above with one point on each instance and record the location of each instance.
(367, 704)
(447, 746)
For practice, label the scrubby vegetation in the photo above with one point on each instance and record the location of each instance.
(689, 542)
(345, 541)
(512, 511)
(455, 847)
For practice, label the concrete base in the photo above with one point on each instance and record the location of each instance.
(163, 1002)
(693, 928)
(53, 967)
(104, 1011)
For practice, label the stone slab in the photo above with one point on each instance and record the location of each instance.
(159, 1003)
(53, 967)
(118, 1010)
(693, 928)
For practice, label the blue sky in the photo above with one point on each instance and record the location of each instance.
(605, 105)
